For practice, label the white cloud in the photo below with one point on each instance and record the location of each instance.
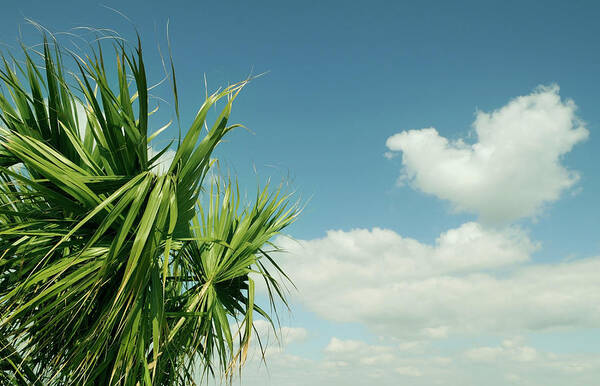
(513, 168)
(284, 334)
(408, 370)
(293, 334)
(162, 164)
(436, 332)
(472, 280)
(374, 361)
(527, 360)
(358, 363)
(510, 349)
(273, 344)
(353, 347)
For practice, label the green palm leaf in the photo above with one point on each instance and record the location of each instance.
(112, 273)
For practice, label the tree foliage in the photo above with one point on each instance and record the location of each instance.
(112, 272)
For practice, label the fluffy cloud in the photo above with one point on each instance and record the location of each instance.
(343, 362)
(357, 363)
(524, 364)
(513, 168)
(283, 335)
(472, 280)
(510, 349)
(374, 359)
(344, 348)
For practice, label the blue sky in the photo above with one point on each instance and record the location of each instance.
(483, 271)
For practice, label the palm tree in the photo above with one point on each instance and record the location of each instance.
(113, 271)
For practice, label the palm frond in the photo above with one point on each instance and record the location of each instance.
(112, 273)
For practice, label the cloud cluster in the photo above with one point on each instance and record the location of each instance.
(282, 335)
(510, 349)
(512, 170)
(478, 279)
(356, 362)
(472, 280)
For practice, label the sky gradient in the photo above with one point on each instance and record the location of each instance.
(447, 156)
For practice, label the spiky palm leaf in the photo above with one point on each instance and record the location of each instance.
(110, 272)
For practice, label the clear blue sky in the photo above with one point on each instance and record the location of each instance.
(343, 77)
